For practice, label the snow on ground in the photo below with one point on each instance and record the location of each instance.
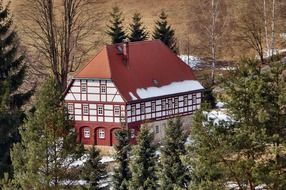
(83, 159)
(190, 60)
(173, 88)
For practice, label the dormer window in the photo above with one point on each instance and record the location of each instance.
(103, 89)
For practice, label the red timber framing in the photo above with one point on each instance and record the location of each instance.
(97, 109)
(164, 107)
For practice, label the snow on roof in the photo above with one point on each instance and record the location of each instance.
(132, 96)
(173, 88)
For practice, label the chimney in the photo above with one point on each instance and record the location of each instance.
(125, 51)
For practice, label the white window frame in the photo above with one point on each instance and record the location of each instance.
(132, 133)
(142, 108)
(83, 88)
(70, 108)
(85, 109)
(103, 89)
(194, 97)
(185, 100)
(101, 133)
(153, 106)
(133, 110)
(116, 110)
(86, 132)
(163, 106)
(100, 110)
(176, 102)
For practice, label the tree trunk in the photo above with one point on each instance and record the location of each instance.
(266, 27)
(273, 28)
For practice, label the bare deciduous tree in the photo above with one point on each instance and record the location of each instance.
(209, 28)
(59, 33)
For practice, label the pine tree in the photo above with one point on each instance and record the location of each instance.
(43, 158)
(94, 171)
(122, 172)
(173, 173)
(143, 163)
(12, 73)
(164, 32)
(115, 29)
(138, 32)
(249, 151)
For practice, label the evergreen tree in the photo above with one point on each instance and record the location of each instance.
(43, 158)
(173, 173)
(250, 150)
(12, 73)
(115, 29)
(143, 163)
(94, 171)
(164, 32)
(138, 32)
(122, 172)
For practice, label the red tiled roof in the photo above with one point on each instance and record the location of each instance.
(148, 61)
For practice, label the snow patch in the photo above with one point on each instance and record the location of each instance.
(190, 60)
(132, 96)
(83, 159)
(173, 88)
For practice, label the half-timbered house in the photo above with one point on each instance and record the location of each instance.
(131, 84)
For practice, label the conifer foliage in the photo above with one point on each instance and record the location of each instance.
(94, 171)
(43, 158)
(138, 32)
(173, 173)
(122, 172)
(250, 150)
(143, 163)
(12, 73)
(115, 28)
(164, 32)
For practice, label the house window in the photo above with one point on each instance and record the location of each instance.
(142, 108)
(194, 99)
(85, 109)
(153, 106)
(185, 100)
(157, 130)
(132, 133)
(176, 102)
(70, 109)
(86, 132)
(163, 104)
(103, 89)
(116, 110)
(100, 110)
(101, 133)
(170, 103)
(133, 110)
(83, 88)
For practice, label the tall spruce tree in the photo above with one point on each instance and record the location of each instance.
(138, 32)
(12, 73)
(43, 158)
(143, 163)
(250, 150)
(173, 173)
(164, 32)
(94, 171)
(122, 172)
(115, 28)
